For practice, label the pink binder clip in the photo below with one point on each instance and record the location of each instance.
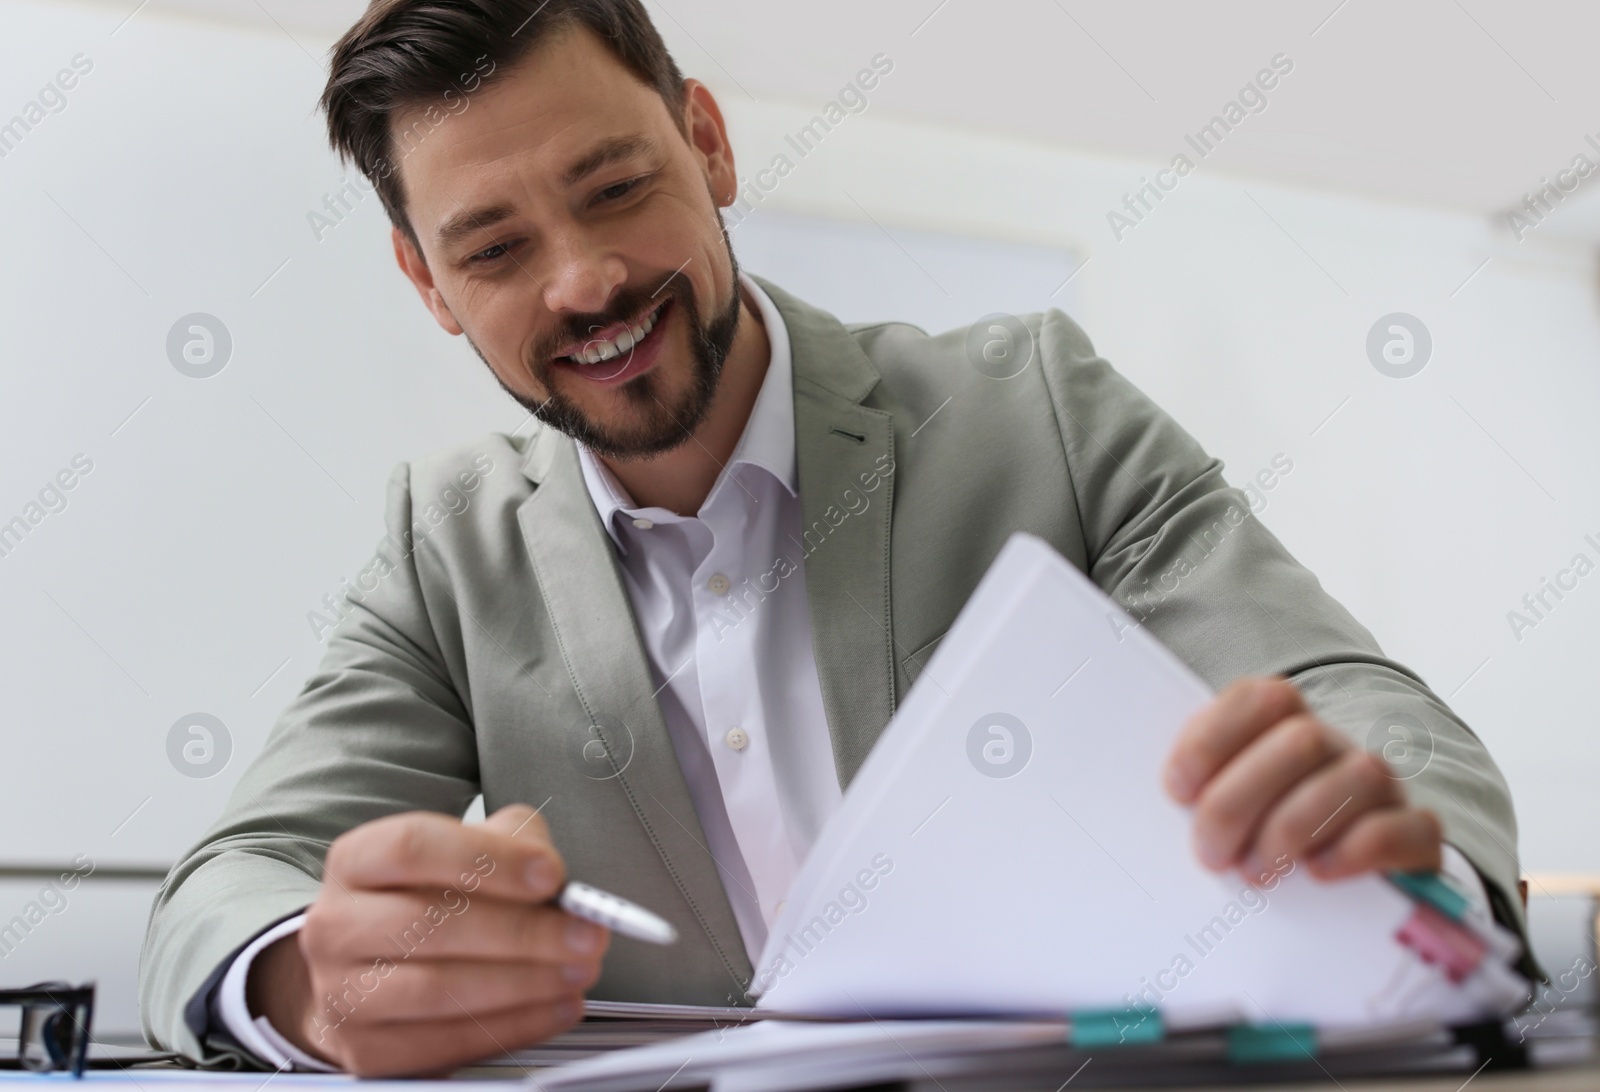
(1446, 944)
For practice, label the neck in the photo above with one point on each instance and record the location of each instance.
(679, 480)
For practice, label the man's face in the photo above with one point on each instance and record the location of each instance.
(562, 216)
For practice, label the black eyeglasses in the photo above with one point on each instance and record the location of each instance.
(55, 1025)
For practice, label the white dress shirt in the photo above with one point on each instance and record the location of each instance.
(720, 600)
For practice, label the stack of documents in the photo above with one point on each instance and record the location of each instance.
(1007, 879)
(955, 1055)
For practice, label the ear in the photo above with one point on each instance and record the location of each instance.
(708, 136)
(416, 269)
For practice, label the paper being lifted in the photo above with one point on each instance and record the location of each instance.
(1008, 848)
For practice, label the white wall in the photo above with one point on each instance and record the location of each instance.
(220, 511)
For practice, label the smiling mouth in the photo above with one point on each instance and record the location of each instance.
(619, 340)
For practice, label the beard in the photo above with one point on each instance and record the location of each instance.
(654, 419)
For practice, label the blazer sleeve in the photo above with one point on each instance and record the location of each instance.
(379, 728)
(1179, 548)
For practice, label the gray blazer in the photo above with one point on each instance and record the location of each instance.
(492, 629)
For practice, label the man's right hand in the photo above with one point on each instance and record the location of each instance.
(431, 944)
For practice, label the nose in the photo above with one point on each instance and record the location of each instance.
(583, 276)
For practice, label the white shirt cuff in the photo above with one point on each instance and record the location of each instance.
(256, 1034)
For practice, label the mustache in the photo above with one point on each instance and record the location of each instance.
(631, 304)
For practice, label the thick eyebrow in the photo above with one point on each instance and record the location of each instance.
(609, 152)
(469, 221)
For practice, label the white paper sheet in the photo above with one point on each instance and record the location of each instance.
(1007, 848)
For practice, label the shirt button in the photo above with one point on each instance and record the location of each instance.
(643, 524)
(736, 738)
(718, 584)
(777, 911)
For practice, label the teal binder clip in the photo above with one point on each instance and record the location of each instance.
(1253, 1043)
(1095, 1028)
(1430, 888)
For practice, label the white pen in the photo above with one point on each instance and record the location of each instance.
(615, 913)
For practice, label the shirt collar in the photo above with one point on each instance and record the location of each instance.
(767, 441)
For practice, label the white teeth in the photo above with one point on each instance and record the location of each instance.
(605, 350)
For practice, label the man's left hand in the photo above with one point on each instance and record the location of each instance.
(1271, 782)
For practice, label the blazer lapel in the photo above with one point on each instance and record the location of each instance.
(843, 448)
(599, 641)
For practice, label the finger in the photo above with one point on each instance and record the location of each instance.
(1236, 801)
(1214, 735)
(425, 849)
(425, 925)
(1390, 840)
(433, 1046)
(519, 821)
(1316, 812)
(399, 992)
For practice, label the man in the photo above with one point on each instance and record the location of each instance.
(660, 634)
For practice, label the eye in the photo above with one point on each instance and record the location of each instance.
(490, 255)
(620, 190)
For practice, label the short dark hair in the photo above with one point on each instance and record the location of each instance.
(403, 54)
